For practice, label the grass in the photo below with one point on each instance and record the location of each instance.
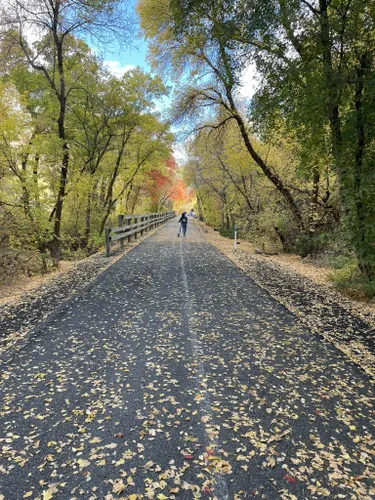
(349, 281)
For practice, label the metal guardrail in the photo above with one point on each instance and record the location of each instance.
(126, 228)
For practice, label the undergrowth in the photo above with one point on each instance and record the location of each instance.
(227, 233)
(349, 281)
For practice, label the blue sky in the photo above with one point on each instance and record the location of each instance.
(122, 60)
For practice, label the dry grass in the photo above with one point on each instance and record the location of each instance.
(12, 292)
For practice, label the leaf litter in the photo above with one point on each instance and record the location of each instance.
(140, 391)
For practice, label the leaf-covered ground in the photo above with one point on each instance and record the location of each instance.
(25, 304)
(176, 376)
(348, 324)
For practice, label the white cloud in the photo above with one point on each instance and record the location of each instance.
(249, 81)
(117, 69)
(180, 154)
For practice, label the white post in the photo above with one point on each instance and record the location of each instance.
(235, 237)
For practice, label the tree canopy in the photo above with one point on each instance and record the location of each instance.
(77, 145)
(314, 105)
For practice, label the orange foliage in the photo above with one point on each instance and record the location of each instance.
(180, 194)
(164, 186)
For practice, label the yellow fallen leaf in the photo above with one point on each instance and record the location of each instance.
(95, 440)
(271, 462)
(111, 445)
(47, 495)
(28, 494)
(83, 463)
(118, 486)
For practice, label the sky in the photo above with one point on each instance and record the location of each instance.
(120, 61)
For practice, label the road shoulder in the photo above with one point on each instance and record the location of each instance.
(346, 324)
(33, 301)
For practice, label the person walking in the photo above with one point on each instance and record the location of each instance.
(183, 221)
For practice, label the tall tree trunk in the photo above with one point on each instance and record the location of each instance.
(276, 181)
(55, 246)
(25, 198)
(135, 199)
(364, 248)
(314, 200)
(88, 219)
(108, 202)
(127, 199)
(352, 190)
(36, 180)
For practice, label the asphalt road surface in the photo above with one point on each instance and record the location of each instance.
(175, 376)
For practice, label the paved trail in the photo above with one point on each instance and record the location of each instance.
(175, 376)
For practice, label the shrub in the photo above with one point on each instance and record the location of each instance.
(341, 260)
(70, 254)
(228, 233)
(348, 280)
(95, 243)
(307, 244)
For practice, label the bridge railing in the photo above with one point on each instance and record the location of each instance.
(132, 225)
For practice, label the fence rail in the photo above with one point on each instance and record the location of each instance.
(126, 228)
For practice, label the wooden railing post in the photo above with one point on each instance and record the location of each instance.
(135, 222)
(142, 221)
(121, 223)
(128, 223)
(108, 241)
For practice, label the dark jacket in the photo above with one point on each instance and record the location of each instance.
(183, 219)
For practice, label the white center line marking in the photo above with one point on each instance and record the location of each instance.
(220, 484)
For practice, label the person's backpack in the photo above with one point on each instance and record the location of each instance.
(183, 219)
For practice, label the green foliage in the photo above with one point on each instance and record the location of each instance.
(228, 233)
(343, 260)
(307, 244)
(115, 139)
(349, 280)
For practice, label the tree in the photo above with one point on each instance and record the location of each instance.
(340, 42)
(54, 24)
(115, 139)
(316, 61)
(183, 40)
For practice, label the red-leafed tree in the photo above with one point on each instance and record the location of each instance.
(181, 195)
(160, 185)
(165, 189)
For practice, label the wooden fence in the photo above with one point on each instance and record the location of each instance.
(132, 225)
